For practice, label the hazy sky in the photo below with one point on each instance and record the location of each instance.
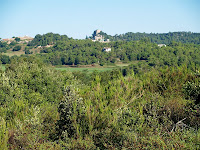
(78, 18)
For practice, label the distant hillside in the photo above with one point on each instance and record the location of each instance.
(164, 38)
(47, 39)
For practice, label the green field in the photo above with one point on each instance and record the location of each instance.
(77, 68)
(3, 67)
(91, 69)
(85, 68)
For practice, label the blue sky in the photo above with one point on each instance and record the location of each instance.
(78, 18)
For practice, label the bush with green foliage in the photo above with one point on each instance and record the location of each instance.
(17, 39)
(141, 111)
(72, 111)
(4, 59)
(3, 47)
(27, 51)
(17, 48)
(192, 91)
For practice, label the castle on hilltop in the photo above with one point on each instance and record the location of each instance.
(96, 36)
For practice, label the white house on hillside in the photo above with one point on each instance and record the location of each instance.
(161, 45)
(106, 49)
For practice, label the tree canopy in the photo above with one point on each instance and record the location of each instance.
(159, 38)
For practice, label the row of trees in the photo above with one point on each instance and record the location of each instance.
(87, 52)
(67, 51)
(47, 39)
(159, 38)
(84, 52)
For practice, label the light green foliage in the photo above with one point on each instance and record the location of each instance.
(137, 107)
(3, 134)
(71, 111)
(35, 79)
(2, 68)
(90, 70)
(29, 94)
(138, 112)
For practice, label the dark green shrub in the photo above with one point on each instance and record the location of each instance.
(28, 52)
(192, 91)
(4, 59)
(17, 48)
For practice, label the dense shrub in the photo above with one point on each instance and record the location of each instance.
(4, 59)
(192, 91)
(72, 112)
(17, 48)
(140, 110)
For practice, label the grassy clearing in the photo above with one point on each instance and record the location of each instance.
(91, 69)
(12, 53)
(85, 68)
(122, 64)
(3, 67)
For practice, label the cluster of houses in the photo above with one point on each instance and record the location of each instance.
(96, 36)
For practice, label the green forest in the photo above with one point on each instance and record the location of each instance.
(153, 103)
(69, 51)
(159, 38)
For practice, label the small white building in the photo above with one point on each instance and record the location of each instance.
(107, 49)
(161, 45)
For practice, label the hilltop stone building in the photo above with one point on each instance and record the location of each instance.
(97, 37)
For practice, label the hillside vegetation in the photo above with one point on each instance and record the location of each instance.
(159, 38)
(136, 107)
(154, 103)
(61, 50)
